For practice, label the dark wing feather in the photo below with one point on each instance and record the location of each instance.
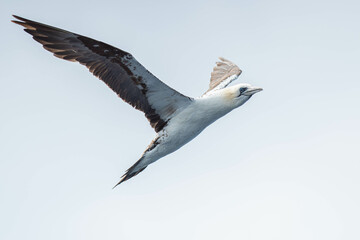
(117, 68)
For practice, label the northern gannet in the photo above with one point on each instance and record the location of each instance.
(176, 118)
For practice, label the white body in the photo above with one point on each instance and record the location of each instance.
(190, 122)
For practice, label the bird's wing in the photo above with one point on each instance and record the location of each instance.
(117, 68)
(223, 74)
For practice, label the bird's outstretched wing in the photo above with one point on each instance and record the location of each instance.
(117, 68)
(223, 74)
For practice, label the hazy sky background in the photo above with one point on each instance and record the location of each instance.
(283, 166)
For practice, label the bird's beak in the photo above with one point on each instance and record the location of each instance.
(252, 90)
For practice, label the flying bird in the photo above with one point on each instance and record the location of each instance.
(176, 118)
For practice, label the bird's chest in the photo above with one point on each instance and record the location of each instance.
(186, 125)
(193, 120)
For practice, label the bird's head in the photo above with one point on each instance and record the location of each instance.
(240, 93)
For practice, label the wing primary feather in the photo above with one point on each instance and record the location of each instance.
(117, 68)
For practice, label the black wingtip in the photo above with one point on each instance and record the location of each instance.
(117, 184)
(126, 177)
(123, 179)
(19, 18)
(21, 21)
(15, 21)
(16, 16)
(129, 174)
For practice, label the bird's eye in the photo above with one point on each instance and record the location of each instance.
(243, 89)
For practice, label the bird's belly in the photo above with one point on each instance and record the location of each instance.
(182, 128)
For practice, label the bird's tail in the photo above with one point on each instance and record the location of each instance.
(131, 172)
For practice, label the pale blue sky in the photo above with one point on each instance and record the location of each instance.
(283, 166)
